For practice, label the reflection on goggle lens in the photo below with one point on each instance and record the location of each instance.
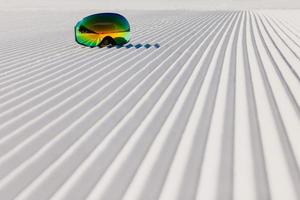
(103, 29)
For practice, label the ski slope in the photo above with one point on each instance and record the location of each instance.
(200, 105)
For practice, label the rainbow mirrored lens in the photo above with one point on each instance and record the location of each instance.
(102, 28)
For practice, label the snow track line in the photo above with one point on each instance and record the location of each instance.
(262, 182)
(285, 58)
(281, 129)
(73, 58)
(151, 33)
(281, 36)
(12, 140)
(199, 105)
(280, 75)
(43, 54)
(181, 39)
(68, 42)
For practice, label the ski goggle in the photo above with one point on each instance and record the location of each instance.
(102, 29)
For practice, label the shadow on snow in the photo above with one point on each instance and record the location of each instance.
(137, 46)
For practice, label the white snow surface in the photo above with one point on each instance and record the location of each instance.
(147, 5)
(199, 105)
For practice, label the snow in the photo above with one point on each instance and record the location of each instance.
(199, 105)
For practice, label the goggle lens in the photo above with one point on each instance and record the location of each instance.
(93, 29)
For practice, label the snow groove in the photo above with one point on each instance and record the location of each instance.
(199, 105)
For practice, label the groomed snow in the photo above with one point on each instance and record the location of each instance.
(200, 105)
